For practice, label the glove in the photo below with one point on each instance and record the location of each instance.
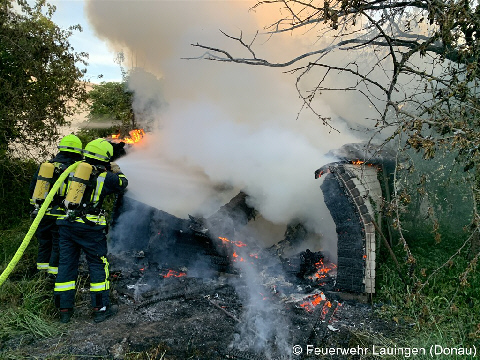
(118, 150)
(115, 168)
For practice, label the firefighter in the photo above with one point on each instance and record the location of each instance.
(84, 227)
(70, 151)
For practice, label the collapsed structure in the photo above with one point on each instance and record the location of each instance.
(354, 188)
(158, 257)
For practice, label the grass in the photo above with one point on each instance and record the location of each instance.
(26, 298)
(444, 312)
(154, 353)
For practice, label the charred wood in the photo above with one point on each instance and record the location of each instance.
(187, 293)
(316, 320)
(295, 234)
(229, 314)
(308, 261)
(233, 215)
(320, 332)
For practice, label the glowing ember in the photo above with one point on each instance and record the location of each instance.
(323, 269)
(357, 162)
(236, 243)
(236, 257)
(173, 273)
(313, 301)
(325, 307)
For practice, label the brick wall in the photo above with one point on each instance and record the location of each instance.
(352, 193)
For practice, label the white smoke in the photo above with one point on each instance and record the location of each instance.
(219, 128)
(216, 124)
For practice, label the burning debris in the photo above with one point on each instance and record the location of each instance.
(273, 296)
(209, 281)
(174, 273)
(261, 289)
(314, 300)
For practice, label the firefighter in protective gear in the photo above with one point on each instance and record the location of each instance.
(84, 227)
(70, 151)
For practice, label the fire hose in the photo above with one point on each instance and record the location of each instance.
(41, 212)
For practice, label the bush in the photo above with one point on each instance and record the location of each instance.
(15, 178)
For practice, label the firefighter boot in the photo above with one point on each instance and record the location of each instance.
(104, 313)
(65, 315)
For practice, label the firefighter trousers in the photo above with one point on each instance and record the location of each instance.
(47, 237)
(73, 238)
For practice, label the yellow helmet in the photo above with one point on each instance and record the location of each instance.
(70, 143)
(99, 149)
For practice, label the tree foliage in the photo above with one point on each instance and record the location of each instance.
(112, 101)
(426, 52)
(40, 82)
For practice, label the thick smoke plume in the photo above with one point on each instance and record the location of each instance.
(219, 128)
(217, 125)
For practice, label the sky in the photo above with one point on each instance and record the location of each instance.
(101, 55)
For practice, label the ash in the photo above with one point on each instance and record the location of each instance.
(212, 317)
(187, 291)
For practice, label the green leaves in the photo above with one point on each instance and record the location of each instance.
(112, 101)
(40, 82)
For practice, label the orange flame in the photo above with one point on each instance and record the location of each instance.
(357, 162)
(134, 136)
(316, 299)
(173, 273)
(236, 243)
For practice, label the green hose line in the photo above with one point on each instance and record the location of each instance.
(41, 212)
